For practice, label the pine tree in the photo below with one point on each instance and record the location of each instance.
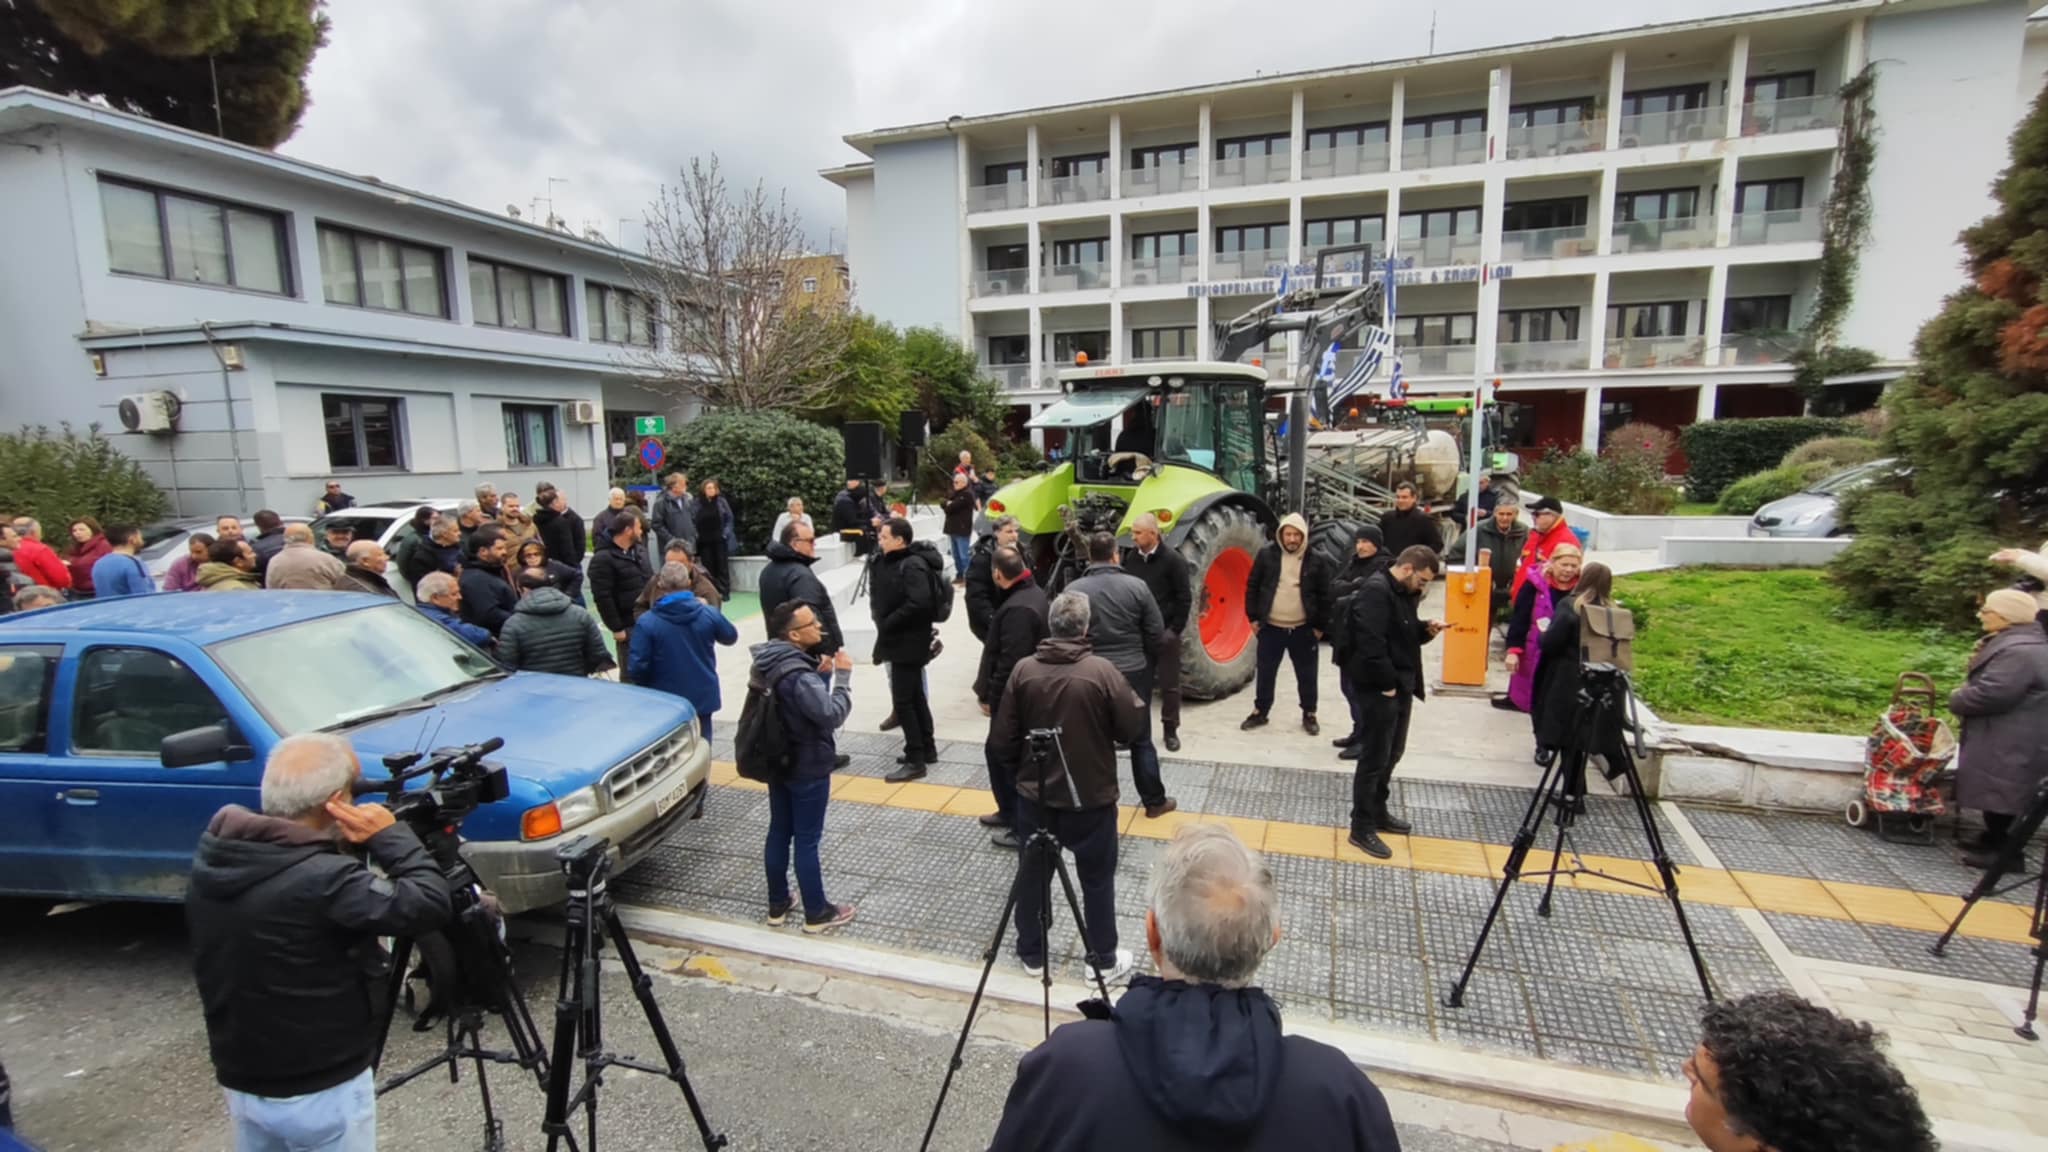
(1970, 422)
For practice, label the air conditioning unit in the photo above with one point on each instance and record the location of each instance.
(1138, 278)
(582, 411)
(997, 287)
(150, 411)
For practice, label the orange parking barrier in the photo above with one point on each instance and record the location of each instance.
(1466, 596)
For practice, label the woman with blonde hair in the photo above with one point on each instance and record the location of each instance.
(1535, 603)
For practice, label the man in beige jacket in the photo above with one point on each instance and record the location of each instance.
(302, 566)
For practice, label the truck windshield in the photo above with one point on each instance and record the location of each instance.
(326, 672)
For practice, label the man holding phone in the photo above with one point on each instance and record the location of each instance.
(1386, 667)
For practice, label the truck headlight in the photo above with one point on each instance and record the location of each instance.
(578, 807)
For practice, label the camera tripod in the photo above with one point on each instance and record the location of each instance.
(2011, 859)
(1561, 794)
(1038, 856)
(579, 1005)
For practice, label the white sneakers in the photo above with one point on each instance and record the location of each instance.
(1116, 973)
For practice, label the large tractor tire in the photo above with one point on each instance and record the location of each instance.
(1217, 654)
(1336, 541)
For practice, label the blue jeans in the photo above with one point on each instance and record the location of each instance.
(796, 810)
(339, 1119)
(962, 545)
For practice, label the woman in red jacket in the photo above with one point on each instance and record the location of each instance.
(88, 544)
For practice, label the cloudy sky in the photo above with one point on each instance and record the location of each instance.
(483, 101)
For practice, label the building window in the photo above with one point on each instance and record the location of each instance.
(1757, 314)
(1769, 195)
(366, 271)
(1004, 257)
(1440, 222)
(1649, 321)
(1768, 89)
(1252, 238)
(616, 316)
(1163, 344)
(1652, 101)
(1009, 349)
(1092, 164)
(1551, 113)
(1152, 245)
(1160, 155)
(1066, 253)
(530, 436)
(1339, 230)
(1531, 215)
(1447, 124)
(1539, 325)
(1454, 329)
(1613, 414)
(508, 296)
(1344, 136)
(363, 432)
(810, 285)
(1657, 204)
(998, 174)
(1066, 344)
(172, 236)
(1267, 144)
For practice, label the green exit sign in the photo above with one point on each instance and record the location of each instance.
(650, 425)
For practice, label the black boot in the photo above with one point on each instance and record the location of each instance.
(1345, 741)
(1173, 739)
(1368, 841)
(1352, 751)
(1386, 821)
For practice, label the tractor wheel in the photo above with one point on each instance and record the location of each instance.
(1335, 541)
(1219, 657)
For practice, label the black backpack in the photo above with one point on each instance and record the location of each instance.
(942, 593)
(762, 744)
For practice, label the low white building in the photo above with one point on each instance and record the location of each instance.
(1617, 226)
(272, 324)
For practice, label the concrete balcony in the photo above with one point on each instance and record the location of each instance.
(1443, 151)
(1074, 277)
(1656, 352)
(1245, 171)
(1548, 243)
(1556, 139)
(1248, 264)
(1739, 348)
(1541, 356)
(1438, 360)
(1350, 160)
(1000, 282)
(1144, 270)
(996, 197)
(1770, 117)
(1785, 226)
(1670, 235)
(1442, 251)
(1086, 188)
(1169, 177)
(1009, 377)
(1678, 127)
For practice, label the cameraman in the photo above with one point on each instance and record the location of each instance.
(1067, 688)
(284, 926)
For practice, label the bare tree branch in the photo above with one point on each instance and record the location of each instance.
(723, 266)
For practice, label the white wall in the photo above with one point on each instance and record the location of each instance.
(41, 365)
(861, 251)
(1942, 78)
(914, 275)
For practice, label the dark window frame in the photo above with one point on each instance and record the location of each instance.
(598, 328)
(1445, 320)
(1067, 247)
(1330, 133)
(1583, 104)
(1358, 220)
(1774, 302)
(355, 251)
(1424, 214)
(1277, 229)
(1020, 349)
(1010, 172)
(1054, 338)
(498, 269)
(1285, 140)
(1021, 253)
(1518, 325)
(1628, 198)
(1581, 206)
(355, 400)
(1779, 79)
(1632, 102)
(287, 271)
(1060, 167)
(1431, 126)
(522, 457)
(1770, 187)
(1146, 159)
(1190, 348)
(1189, 238)
(1689, 316)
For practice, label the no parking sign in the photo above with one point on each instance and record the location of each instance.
(652, 454)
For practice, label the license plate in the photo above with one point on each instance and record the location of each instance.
(674, 797)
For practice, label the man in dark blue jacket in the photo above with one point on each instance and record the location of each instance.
(810, 714)
(1194, 1058)
(671, 650)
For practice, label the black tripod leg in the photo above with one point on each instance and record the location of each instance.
(2026, 1029)
(494, 1128)
(1667, 871)
(988, 965)
(394, 987)
(561, 1064)
(1518, 853)
(671, 1055)
(1985, 885)
(1550, 885)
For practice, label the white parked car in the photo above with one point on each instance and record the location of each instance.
(382, 522)
(163, 543)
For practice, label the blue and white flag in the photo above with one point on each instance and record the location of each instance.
(1327, 372)
(1375, 345)
(1397, 384)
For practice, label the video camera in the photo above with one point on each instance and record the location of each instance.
(458, 780)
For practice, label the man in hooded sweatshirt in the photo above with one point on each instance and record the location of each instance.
(1194, 1058)
(548, 632)
(672, 646)
(1287, 598)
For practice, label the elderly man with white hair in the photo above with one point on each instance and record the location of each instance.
(439, 598)
(284, 918)
(1193, 1058)
(301, 565)
(365, 569)
(793, 510)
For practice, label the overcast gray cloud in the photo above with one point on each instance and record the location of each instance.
(483, 100)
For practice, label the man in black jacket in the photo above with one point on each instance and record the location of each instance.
(674, 514)
(902, 595)
(1014, 634)
(981, 584)
(1165, 572)
(1125, 631)
(488, 598)
(1386, 672)
(284, 925)
(560, 528)
(1410, 524)
(788, 576)
(1287, 597)
(850, 517)
(269, 539)
(1368, 558)
(617, 574)
(1194, 1058)
(548, 633)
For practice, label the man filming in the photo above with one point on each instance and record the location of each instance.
(1060, 719)
(284, 920)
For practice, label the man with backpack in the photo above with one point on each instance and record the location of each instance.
(785, 741)
(908, 595)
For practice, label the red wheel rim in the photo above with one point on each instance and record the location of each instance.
(1225, 627)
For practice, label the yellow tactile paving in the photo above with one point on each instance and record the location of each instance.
(1536, 866)
(1795, 895)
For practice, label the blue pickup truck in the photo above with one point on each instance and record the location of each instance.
(124, 725)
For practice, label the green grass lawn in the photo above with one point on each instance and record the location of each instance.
(1775, 649)
(1685, 509)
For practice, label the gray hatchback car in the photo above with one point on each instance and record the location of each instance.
(1812, 514)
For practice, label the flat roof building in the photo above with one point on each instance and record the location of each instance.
(1622, 226)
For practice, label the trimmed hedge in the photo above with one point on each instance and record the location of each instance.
(760, 460)
(1720, 452)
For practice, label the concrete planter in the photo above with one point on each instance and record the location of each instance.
(1749, 552)
(1610, 533)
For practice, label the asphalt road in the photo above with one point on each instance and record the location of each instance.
(101, 1032)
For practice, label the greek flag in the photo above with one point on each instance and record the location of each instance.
(1375, 346)
(1397, 384)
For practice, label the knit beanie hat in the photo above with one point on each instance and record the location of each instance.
(2014, 605)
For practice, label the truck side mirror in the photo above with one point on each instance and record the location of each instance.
(208, 745)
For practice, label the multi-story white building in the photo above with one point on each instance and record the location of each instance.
(308, 323)
(1617, 226)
